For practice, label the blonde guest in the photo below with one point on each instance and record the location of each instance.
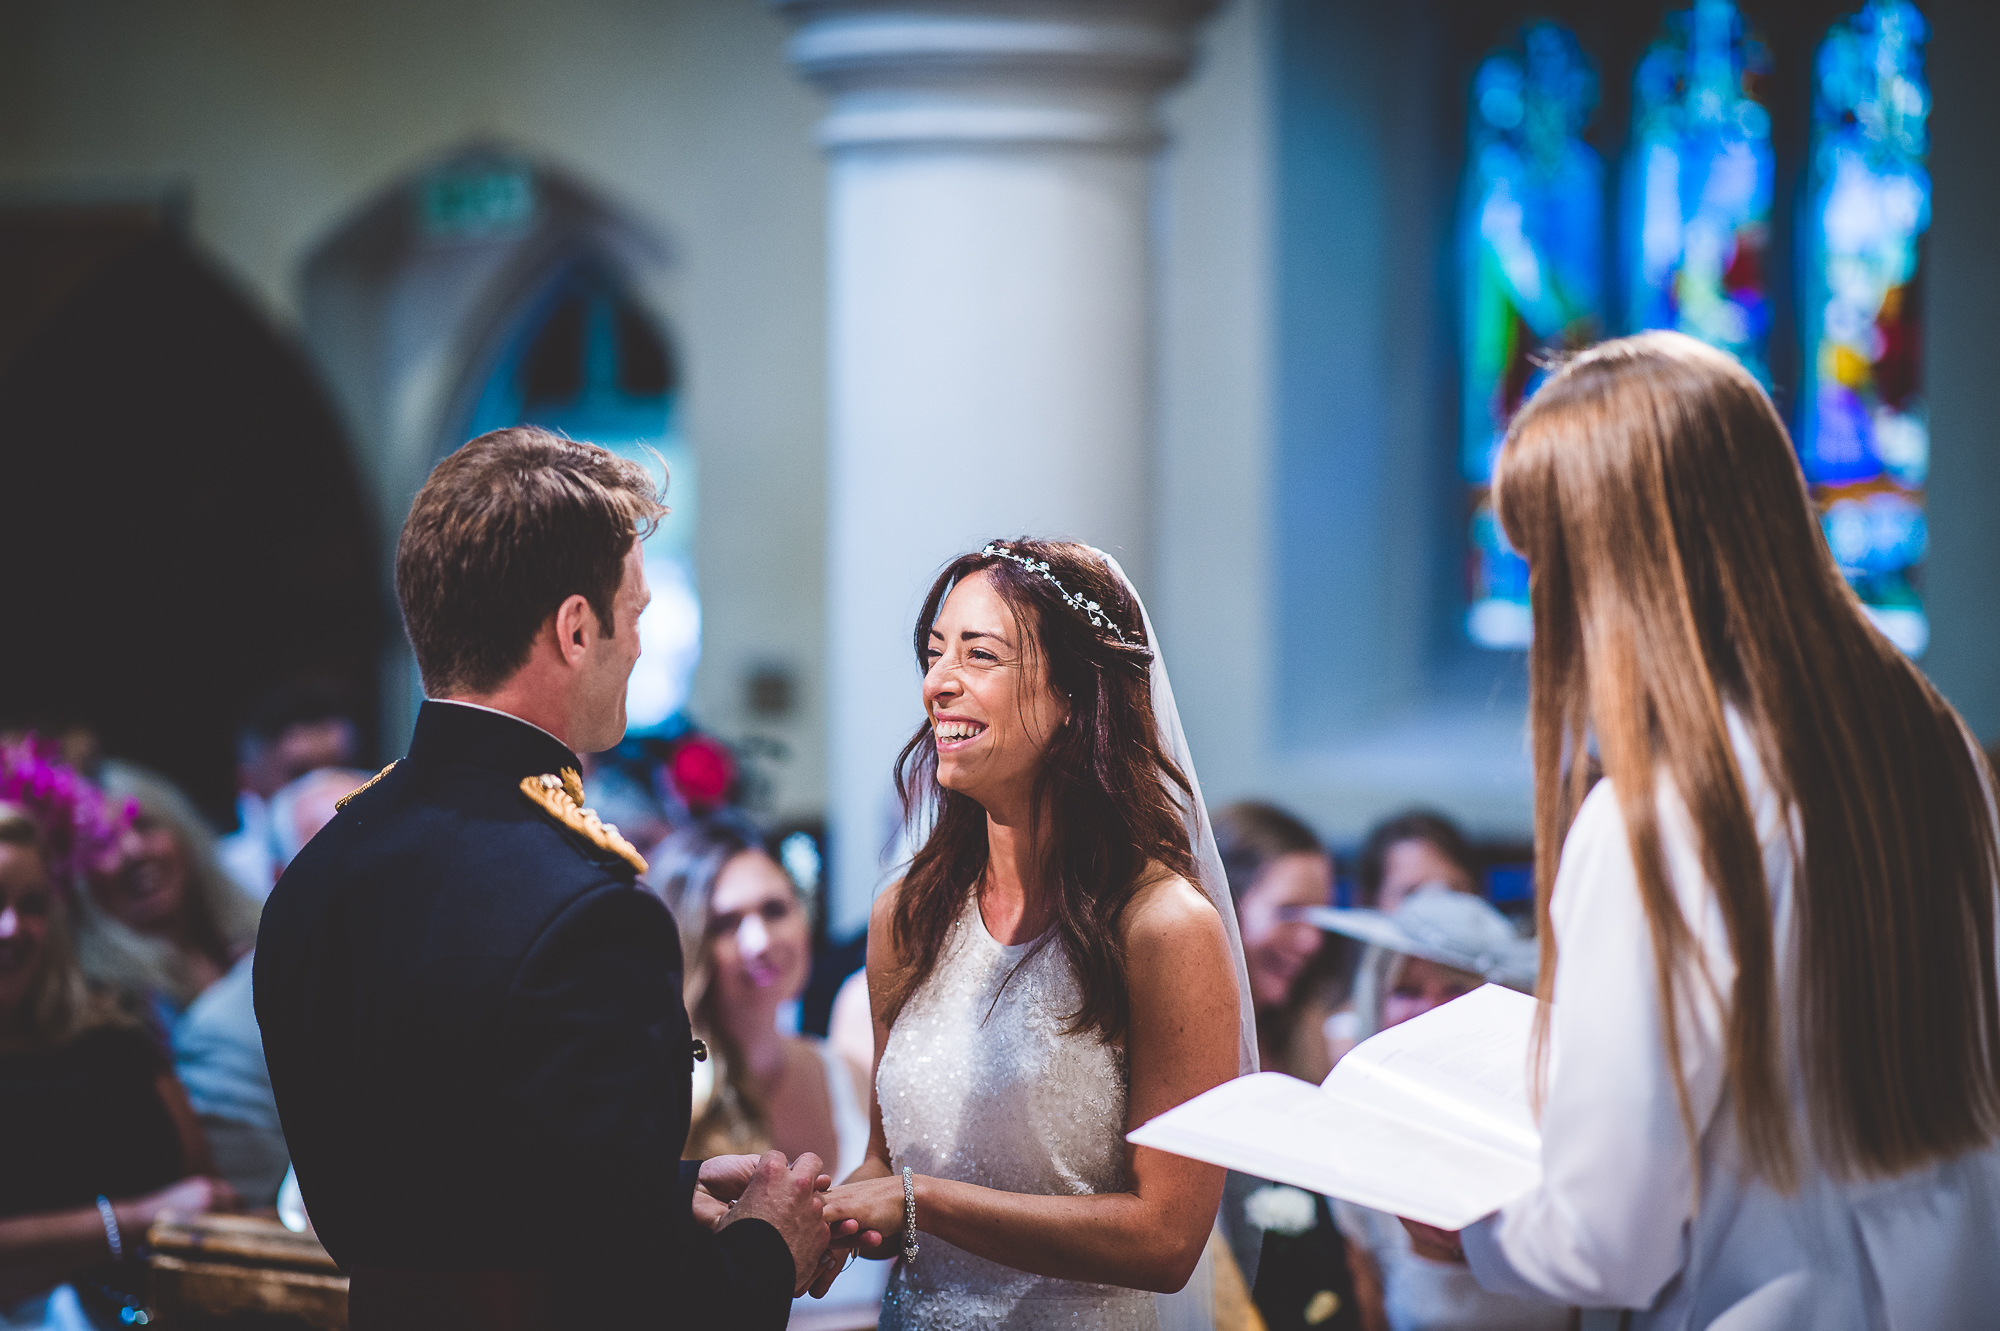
(746, 935)
(166, 921)
(1769, 933)
(748, 945)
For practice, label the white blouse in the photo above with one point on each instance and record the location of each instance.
(1614, 1224)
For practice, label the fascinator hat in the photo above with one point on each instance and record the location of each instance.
(79, 825)
(1439, 924)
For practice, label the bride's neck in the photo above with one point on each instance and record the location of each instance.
(1012, 899)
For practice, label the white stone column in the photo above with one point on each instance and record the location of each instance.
(989, 323)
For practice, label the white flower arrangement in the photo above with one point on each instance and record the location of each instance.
(1280, 1210)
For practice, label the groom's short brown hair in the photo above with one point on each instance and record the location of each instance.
(505, 530)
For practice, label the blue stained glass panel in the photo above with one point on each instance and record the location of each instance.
(1698, 197)
(1865, 437)
(1531, 264)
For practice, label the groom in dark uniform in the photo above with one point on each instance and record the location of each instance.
(472, 1015)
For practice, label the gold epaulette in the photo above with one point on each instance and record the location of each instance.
(561, 798)
(342, 802)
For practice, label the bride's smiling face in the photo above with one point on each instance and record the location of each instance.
(986, 691)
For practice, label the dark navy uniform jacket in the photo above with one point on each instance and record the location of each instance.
(474, 1026)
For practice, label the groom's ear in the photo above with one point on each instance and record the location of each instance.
(575, 622)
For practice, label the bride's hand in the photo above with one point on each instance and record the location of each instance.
(839, 1253)
(875, 1208)
(868, 1243)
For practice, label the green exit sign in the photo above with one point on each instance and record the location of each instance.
(469, 201)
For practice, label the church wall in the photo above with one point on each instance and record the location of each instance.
(1375, 701)
(1963, 579)
(1212, 600)
(279, 120)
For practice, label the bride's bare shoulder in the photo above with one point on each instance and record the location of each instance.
(1169, 917)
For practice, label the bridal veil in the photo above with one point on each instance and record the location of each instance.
(1193, 1309)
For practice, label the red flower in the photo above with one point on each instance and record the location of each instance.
(703, 771)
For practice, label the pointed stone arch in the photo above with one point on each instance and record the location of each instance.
(412, 301)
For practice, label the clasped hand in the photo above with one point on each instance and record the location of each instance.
(1439, 1245)
(791, 1199)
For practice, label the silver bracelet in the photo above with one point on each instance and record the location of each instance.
(909, 1215)
(111, 1236)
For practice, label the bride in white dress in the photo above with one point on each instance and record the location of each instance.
(1053, 969)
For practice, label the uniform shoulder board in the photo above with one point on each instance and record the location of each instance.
(560, 796)
(342, 802)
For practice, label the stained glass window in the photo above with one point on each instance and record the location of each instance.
(1532, 268)
(1699, 193)
(1865, 441)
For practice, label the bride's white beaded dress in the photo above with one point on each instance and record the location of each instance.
(980, 1082)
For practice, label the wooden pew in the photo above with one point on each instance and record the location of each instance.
(243, 1273)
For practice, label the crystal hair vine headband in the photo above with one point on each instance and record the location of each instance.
(1088, 609)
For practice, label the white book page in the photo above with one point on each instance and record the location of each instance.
(1461, 1067)
(1432, 1125)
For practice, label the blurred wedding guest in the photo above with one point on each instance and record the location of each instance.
(291, 730)
(1410, 849)
(218, 1055)
(218, 1050)
(1275, 864)
(625, 793)
(746, 937)
(1437, 945)
(1283, 1239)
(748, 946)
(99, 1138)
(304, 805)
(165, 922)
(1402, 853)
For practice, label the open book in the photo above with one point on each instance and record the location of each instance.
(1428, 1119)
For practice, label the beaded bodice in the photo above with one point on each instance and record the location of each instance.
(981, 1083)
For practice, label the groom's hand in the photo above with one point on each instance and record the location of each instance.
(790, 1201)
(721, 1181)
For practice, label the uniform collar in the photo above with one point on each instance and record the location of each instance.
(450, 732)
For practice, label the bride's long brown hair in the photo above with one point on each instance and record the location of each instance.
(1677, 566)
(1106, 788)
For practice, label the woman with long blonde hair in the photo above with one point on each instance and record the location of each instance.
(166, 921)
(1769, 1059)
